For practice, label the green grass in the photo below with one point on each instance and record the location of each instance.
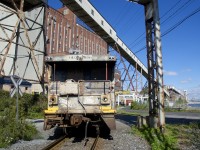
(30, 106)
(127, 113)
(175, 136)
(138, 106)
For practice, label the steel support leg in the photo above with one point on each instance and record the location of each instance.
(155, 67)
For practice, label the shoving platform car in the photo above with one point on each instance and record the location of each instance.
(80, 90)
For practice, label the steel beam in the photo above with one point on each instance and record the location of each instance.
(155, 67)
(159, 64)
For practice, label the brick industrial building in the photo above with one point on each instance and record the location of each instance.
(65, 36)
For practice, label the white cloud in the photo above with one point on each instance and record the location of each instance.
(187, 70)
(170, 73)
(186, 81)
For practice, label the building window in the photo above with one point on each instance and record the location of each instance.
(110, 31)
(65, 12)
(92, 12)
(102, 22)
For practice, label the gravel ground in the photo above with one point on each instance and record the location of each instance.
(123, 139)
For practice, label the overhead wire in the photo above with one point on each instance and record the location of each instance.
(167, 12)
(176, 4)
(131, 21)
(180, 22)
(121, 14)
(186, 4)
(173, 27)
(128, 23)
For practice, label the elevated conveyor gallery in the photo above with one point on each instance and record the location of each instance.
(86, 12)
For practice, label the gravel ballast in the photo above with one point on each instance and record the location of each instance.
(123, 139)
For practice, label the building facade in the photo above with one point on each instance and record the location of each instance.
(64, 36)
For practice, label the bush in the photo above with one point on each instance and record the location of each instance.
(195, 134)
(138, 106)
(30, 106)
(12, 130)
(156, 139)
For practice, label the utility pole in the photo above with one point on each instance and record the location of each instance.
(155, 66)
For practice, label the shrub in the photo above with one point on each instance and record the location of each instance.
(137, 106)
(30, 106)
(156, 139)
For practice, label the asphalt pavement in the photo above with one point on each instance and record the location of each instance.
(170, 117)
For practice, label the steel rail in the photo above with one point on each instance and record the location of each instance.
(56, 144)
(94, 145)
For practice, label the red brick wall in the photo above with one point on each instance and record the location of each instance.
(64, 34)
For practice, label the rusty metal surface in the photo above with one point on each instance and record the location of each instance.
(79, 58)
(76, 120)
(95, 143)
(110, 121)
(94, 87)
(56, 144)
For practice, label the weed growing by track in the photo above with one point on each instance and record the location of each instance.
(30, 106)
(176, 136)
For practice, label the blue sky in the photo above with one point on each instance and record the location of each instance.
(181, 47)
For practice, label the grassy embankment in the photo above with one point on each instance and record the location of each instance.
(176, 136)
(30, 106)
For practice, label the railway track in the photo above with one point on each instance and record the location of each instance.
(56, 145)
(95, 144)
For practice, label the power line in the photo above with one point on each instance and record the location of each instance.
(175, 26)
(180, 22)
(140, 41)
(170, 9)
(177, 11)
(171, 16)
(176, 4)
(128, 24)
(121, 14)
(144, 47)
